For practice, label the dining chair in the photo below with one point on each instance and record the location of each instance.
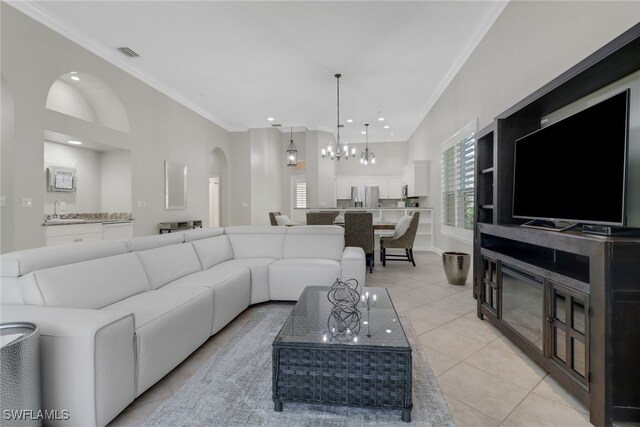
(272, 217)
(321, 218)
(358, 232)
(403, 238)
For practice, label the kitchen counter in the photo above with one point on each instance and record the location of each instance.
(85, 221)
(367, 209)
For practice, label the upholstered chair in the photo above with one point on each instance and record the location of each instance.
(358, 232)
(272, 217)
(321, 218)
(402, 239)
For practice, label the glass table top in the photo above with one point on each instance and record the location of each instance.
(312, 322)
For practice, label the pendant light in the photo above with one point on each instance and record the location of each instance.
(292, 152)
(367, 156)
(338, 152)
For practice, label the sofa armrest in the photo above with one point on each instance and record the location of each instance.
(87, 360)
(354, 265)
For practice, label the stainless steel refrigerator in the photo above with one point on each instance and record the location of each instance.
(365, 196)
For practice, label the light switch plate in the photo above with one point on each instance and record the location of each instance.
(3, 202)
(27, 202)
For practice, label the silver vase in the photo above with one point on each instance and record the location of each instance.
(456, 267)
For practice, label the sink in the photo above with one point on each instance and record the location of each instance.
(64, 220)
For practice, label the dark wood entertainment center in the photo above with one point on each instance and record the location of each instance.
(569, 300)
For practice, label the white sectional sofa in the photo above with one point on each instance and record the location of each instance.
(117, 316)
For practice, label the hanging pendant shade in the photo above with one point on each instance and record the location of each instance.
(367, 156)
(337, 152)
(292, 152)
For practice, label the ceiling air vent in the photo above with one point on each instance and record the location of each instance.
(128, 52)
(276, 125)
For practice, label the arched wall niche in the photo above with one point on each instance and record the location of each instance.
(86, 97)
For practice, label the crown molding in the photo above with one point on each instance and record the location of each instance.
(492, 17)
(63, 28)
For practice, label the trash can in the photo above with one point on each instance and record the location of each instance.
(20, 399)
(456, 267)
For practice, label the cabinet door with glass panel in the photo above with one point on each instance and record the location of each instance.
(568, 331)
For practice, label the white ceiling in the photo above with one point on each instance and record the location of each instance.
(240, 62)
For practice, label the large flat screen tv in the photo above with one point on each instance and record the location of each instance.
(574, 170)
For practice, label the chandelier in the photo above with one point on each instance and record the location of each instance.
(292, 152)
(367, 156)
(338, 152)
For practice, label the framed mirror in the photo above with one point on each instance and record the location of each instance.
(175, 185)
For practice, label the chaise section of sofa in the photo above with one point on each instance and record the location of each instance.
(115, 317)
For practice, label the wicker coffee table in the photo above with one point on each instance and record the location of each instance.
(310, 366)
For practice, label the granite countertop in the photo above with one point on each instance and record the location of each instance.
(365, 209)
(89, 218)
(85, 221)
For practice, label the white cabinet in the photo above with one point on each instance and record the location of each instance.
(343, 188)
(72, 233)
(389, 186)
(394, 184)
(117, 231)
(416, 177)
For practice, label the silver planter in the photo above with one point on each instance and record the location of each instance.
(21, 375)
(456, 267)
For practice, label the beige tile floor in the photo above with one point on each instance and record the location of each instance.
(485, 379)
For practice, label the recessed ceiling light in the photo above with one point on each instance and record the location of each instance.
(76, 78)
(391, 134)
(75, 142)
(349, 120)
(386, 126)
(270, 119)
(381, 119)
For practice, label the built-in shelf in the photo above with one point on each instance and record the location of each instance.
(569, 300)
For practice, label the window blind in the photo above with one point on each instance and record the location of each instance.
(301, 195)
(458, 162)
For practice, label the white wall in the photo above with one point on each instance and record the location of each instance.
(530, 44)
(116, 181)
(240, 197)
(160, 129)
(7, 182)
(267, 164)
(391, 158)
(88, 165)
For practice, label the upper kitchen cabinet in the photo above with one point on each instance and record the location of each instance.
(388, 186)
(416, 177)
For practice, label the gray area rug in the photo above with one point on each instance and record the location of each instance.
(233, 388)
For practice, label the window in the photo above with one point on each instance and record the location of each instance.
(301, 195)
(458, 160)
(298, 199)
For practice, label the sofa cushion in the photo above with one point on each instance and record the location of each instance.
(257, 241)
(314, 241)
(155, 241)
(213, 250)
(231, 285)
(202, 233)
(289, 277)
(19, 263)
(168, 263)
(169, 324)
(259, 268)
(88, 284)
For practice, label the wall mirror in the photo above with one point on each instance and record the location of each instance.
(175, 185)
